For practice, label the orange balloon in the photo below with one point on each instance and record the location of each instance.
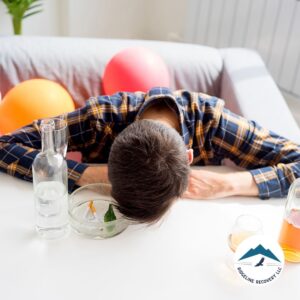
(33, 99)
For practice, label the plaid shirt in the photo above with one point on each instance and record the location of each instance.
(213, 132)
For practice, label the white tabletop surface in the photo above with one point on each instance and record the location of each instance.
(185, 257)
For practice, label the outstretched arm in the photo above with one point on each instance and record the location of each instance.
(205, 184)
(272, 161)
(18, 150)
(93, 174)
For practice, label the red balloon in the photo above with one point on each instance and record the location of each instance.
(135, 69)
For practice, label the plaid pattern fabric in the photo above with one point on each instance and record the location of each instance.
(212, 131)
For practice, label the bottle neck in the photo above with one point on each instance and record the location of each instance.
(47, 136)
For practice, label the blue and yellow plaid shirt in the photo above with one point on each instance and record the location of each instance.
(212, 131)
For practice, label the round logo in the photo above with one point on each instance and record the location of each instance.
(259, 260)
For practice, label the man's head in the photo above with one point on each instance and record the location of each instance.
(148, 168)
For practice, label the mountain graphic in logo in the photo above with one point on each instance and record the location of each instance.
(259, 250)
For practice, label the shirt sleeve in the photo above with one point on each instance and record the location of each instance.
(273, 160)
(18, 150)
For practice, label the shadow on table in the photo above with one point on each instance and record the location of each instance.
(248, 201)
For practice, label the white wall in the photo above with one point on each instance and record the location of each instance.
(105, 18)
(142, 19)
(47, 22)
(271, 27)
(166, 19)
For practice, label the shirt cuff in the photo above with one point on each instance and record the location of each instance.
(267, 182)
(75, 171)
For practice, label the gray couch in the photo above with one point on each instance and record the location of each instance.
(239, 76)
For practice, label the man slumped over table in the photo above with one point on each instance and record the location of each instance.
(147, 142)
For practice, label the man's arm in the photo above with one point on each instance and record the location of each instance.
(273, 161)
(205, 184)
(18, 150)
(93, 174)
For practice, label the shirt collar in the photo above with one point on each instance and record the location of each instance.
(157, 94)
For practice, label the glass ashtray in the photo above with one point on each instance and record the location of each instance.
(93, 214)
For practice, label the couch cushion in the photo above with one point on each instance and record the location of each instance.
(78, 63)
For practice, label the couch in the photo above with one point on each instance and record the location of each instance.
(238, 76)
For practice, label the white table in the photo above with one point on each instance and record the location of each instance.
(186, 257)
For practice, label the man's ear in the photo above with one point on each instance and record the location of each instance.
(190, 155)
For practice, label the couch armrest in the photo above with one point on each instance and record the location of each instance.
(250, 91)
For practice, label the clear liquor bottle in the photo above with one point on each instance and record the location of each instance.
(50, 184)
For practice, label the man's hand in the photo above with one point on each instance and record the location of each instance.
(93, 174)
(210, 185)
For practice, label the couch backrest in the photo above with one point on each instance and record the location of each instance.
(79, 63)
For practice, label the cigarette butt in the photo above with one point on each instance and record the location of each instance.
(92, 207)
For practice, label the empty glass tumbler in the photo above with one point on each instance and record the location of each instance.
(244, 227)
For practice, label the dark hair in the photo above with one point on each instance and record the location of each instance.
(148, 169)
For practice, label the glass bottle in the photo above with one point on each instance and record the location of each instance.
(289, 237)
(50, 185)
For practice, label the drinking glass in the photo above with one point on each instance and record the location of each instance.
(244, 227)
